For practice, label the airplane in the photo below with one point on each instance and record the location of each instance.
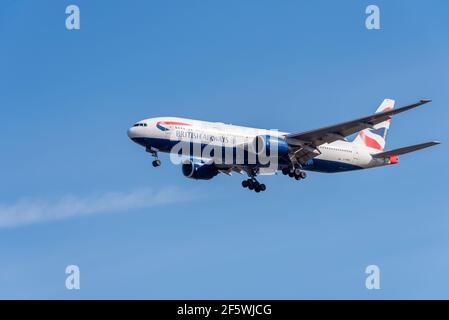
(227, 148)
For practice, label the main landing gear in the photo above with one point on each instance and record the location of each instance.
(253, 184)
(296, 173)
(156, 162)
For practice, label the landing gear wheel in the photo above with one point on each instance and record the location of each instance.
(156, 163)
(297, 177)
(303, 174)
(297, 172)
(285, 171)
(291, 174)
(253, 184)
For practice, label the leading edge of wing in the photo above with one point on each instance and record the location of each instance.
(344, 129)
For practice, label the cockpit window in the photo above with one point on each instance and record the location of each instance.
(140, 125)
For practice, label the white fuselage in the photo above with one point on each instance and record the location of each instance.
(162, 133)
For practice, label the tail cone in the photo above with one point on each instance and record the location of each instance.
(394, 159)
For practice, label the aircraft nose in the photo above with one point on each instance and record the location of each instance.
(132, 132)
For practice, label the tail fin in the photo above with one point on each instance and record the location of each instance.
(375, 137)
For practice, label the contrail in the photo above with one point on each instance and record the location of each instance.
(28, 211)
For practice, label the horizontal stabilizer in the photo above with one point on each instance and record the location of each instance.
(404, 150)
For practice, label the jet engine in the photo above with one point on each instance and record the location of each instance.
(198, 170)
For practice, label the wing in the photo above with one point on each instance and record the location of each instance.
(229, 169)
(304, 144)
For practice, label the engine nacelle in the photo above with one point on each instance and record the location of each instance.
(198, 170)
(269, 146)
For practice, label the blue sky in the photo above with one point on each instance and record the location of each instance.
(75, 190)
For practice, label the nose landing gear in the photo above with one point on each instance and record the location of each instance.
(156, 162)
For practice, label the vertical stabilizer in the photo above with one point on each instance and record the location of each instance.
(375, 137)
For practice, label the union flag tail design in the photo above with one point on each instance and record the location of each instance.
(375, 137)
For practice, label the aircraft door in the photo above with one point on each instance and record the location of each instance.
(355, 154)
